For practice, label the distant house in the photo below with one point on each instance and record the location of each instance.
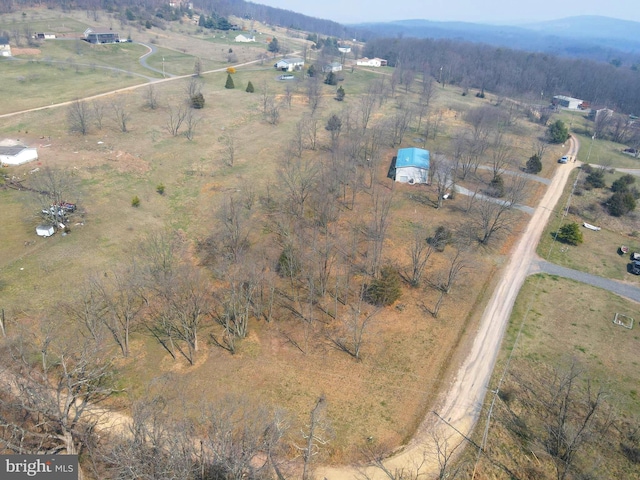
(290, 64)
(371, 62)
(411, 166)
(344, 48)
(245, 39)
(5, 48)
(332, 67)
(43, 36)
(101, 37)
(567, 102)
(17, 155)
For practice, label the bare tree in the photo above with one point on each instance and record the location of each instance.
(297, 178)
(366, 105)
(443, 177)
(350, 336)
(121, 115)
(151, 97)
(98, 113)
(229, 145)
(191, 121)
(314, 94)
(79, 117)
(494, 215)
(314, 436)
(501, 152)
(175, 118)
(420, 250)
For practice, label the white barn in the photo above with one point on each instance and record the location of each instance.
(17, 155)
(412, 166)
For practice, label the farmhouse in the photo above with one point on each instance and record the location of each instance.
(412, 166)
(344, 48)
(371, 62)
(567, 102)
(290, 64)
(17, 155)
(5, 48)
(245, 39)
(101, 37)
(332, 67)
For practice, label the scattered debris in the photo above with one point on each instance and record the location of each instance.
(591, 227)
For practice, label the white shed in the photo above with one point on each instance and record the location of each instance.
(45, 230)
(17, 155)
(245, 39)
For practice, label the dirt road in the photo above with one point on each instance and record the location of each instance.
(463, 401)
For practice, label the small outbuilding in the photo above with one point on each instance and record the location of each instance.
(45, 230)
(332, 67)
(567, 102)
(245, 39)
(17, 155)
(412, 166)
(5, 48)
(101, 37)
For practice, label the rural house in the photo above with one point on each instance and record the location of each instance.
(290, 64)
(332, 67)
(371, 62)
(5, 48)
(567, 102)
(43, 36)
(344, 48)
(245, 39)
(101, 37)
(17, 155)
(411, 166)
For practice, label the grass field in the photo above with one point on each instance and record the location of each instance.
(566, 322)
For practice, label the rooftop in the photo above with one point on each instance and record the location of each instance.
(412, 157)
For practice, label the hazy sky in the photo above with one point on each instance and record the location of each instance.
(487, 11)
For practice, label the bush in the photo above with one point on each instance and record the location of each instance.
(621, 203)
(496, 187)
(135, 202)
(231, 70)
(331, 79)
(586, 168)
(229, 84)
(622, 184)
(558, 132)
(441, 238)
(534, 164)
(385, 289)
(570, 233)
(250, 88)
(595, 179)
(340, 94)
(288, 263)
(160, 189)
(197, 100)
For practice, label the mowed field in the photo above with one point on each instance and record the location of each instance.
(407, 355)
(564, 323)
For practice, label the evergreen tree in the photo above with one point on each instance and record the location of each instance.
(229, 83)
(250, 88)
(385, 289)
(331, 79)
(570, 233)
(340, 94)
(274, 46)
(558, 132)
(197, 101)
(534, 164)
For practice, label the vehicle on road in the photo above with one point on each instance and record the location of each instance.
(564, 159)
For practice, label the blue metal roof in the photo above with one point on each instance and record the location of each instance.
(412, 157)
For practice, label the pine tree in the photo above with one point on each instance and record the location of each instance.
(250, 87)
(340, 94)
(229, 83)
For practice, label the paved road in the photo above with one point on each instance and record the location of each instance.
(619, 288)
(143, 60)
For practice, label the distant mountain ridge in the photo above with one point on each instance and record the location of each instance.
(593, 37)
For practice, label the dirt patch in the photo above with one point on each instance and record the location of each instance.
(25, 51)
(124, 162)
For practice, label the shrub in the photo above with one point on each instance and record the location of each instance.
(231, 70)
(197, 100)
(250, 88)
(558, 132)
(441, 238)
(595, 179)
(586, 168)
(135, 202)
(622, 184)
(160, 189)
(331, 79)
(621, 203)
(288, 263)
(340, 94)
(534, 164)
(385, 289)
(229, 83)
(570, 233)
(496, 187)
